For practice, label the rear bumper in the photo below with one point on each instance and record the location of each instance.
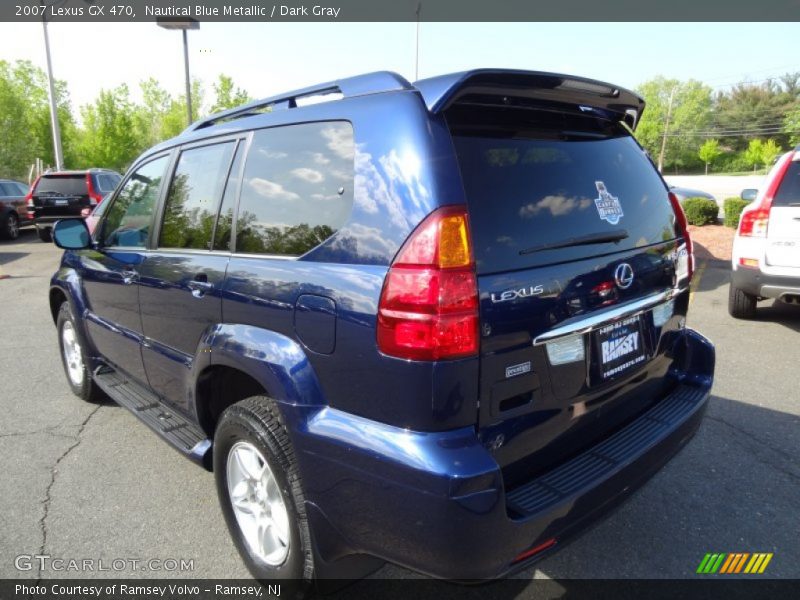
(435, 502)
(758, 283)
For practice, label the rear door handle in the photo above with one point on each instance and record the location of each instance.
(129, 276)
(200, 287)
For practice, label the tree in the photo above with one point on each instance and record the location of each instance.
(109, 137)
(770, 150)
(25, 119)
(227, 95)
(690, 113)
(754, 153)
(709, 152)
(791, 126)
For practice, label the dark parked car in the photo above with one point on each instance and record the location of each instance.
(439, 324)
(13, 212)
(67, 194)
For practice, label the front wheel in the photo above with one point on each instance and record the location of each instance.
(74, 359)
(258, 483)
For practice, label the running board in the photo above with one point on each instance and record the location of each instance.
(183, 435)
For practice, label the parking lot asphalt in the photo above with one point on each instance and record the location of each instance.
(83, 481)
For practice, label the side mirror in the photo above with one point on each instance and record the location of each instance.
(749, 194)
(71, 234)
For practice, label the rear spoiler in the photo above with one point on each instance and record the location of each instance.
(613, 102)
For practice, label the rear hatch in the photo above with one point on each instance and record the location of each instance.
(783, 232)
(62, 194)
(578, 254)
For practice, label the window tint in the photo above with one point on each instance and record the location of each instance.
(526, 197)
(222, 235)
(297, 189)
(5, 189)
(194, 193)
(789, 190)
(23, 189)
(129, 217)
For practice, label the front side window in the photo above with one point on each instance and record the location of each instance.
(297, 188)
(129, 217)
(194, 195)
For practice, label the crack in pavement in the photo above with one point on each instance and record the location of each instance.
(786, 456)
(47, 493)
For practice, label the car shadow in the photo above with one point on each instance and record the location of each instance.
(9, 257)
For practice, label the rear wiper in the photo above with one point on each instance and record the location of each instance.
(584, 240)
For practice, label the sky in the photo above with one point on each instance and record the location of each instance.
(269, 58)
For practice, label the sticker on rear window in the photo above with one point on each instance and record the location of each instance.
(607, 205)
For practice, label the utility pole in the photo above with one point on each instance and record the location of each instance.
(416, 55)
(666, 129)
(57, 152)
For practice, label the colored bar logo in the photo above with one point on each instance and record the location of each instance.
(727, 563)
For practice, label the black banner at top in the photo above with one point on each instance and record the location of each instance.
(182, 12)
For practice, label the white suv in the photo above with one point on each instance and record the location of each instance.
(766, 249)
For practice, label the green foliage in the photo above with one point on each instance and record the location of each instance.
(709, 152)
(770, 150)
(754, 153)
(791, 126)
(691, 111)
(228, 95)
(108, 138)
(733, 209)
(700, 211)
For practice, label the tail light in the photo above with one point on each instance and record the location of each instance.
(29, 198)
(94, 197)
(429, 304)
(683, 227)
(754, 221)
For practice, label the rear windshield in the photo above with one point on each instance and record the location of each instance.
(67, 185)
(529, 198)
(788, 193)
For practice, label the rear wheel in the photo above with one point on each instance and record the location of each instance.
(258, 483)
(9, 226)
(45, 234)
(741, 305)
(74, 359)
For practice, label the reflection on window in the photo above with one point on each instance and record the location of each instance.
(129, 217)
(195, 190)
(297, 189)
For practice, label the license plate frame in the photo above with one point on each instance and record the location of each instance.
(619, 348)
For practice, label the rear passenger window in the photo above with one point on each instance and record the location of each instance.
(194, 195)
(297, 189)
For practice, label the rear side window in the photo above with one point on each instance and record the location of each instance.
(106, 182)
(63, 185)
(531, 199)
(788, 193)
(194, 195)
(297, 188)
(129, 217)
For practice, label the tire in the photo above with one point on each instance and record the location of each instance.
(9, 226)
(45, 234)
(255, 424)
(741, 305)
(73, 358)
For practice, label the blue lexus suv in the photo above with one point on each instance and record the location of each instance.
(439, 324)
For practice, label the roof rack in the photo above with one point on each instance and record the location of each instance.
(370, 83)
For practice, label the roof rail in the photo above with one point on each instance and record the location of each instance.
(360, 85)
